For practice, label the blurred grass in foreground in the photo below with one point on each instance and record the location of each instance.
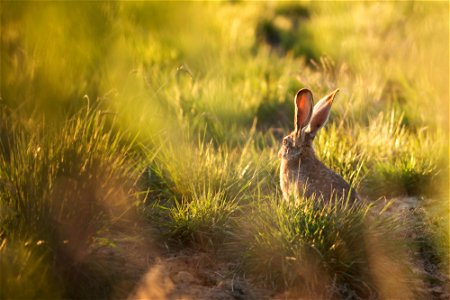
(120, 116)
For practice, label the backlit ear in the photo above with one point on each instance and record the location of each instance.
(303, 108)
(321, 112)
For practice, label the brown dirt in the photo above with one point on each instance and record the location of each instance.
(190, 275)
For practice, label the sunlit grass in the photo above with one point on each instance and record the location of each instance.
(202, 222)
(63, 189)
(174, 112)
(307, 248)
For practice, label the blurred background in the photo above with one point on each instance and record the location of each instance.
(156, 124)
(54, 54)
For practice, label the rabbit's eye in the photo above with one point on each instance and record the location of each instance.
(285, 142)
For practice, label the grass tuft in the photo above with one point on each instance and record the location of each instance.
(202, 222)
(51, 180)
(306, 248)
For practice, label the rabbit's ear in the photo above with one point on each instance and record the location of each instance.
(303, 108)
(321, 112)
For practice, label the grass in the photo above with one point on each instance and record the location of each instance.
(309, 247)
(203, 222)
(126, 121)
(51, 179)
(25, 263)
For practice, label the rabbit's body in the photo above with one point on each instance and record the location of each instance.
(301, 173)
(304, 174)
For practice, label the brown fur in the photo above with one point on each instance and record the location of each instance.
(301, 173)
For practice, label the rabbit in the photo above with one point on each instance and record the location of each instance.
(301, 173)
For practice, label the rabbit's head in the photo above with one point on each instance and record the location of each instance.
(307, 121)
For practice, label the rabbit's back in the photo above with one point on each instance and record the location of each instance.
(311, 178)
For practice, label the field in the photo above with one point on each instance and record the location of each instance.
(139, 141)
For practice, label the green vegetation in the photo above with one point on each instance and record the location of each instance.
(161, 122)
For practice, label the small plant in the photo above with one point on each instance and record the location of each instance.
(202, 222)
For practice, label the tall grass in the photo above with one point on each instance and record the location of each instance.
(62, 190)
(122, 116)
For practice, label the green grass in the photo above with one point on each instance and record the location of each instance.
(309, 247)
(202, 222)
(63, 189)
(124, 116)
